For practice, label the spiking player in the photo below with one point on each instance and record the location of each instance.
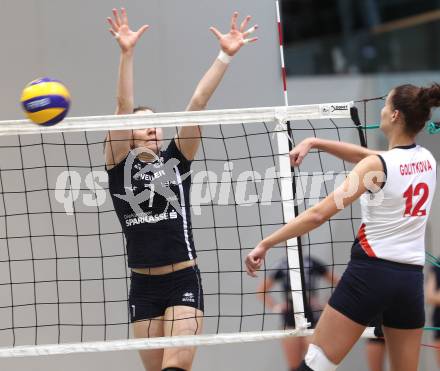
(385, 273)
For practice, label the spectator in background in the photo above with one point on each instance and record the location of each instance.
(295, 347)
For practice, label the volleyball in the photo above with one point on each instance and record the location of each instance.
(46, 101)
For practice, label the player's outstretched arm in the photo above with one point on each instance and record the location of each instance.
(366, 175)
(127, 40)
(345, 151)
(118, 142)
(188, 138)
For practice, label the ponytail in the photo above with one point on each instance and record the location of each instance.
(416, 104)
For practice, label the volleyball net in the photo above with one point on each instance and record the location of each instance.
(64, 279)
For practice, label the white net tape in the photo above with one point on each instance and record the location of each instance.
(213, 117)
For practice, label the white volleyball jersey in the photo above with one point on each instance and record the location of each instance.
(394, 219)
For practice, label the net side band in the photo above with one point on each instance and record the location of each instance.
(172, 119)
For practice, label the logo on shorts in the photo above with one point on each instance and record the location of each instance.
(188, 297)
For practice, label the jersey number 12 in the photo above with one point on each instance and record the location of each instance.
(415, 191)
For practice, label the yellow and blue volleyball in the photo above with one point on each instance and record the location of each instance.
(46, 101)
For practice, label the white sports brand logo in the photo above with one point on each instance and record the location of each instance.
(188, 297)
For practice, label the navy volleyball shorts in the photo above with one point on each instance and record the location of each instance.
(370, 287)
(151, 295)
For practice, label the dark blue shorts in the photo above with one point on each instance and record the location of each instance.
(370, 287)
(151, 295)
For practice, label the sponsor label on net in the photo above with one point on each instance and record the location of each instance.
(331, 109)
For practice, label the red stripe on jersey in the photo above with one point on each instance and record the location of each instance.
(364, 242)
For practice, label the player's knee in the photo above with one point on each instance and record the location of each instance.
(316, 360)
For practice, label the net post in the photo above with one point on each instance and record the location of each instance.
(289, 212)
(294, 253)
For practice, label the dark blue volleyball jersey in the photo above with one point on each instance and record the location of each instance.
(152, 202)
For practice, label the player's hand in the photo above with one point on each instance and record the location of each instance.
(232, 42)
(120, 29)
(300, 151)
(255, 259)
